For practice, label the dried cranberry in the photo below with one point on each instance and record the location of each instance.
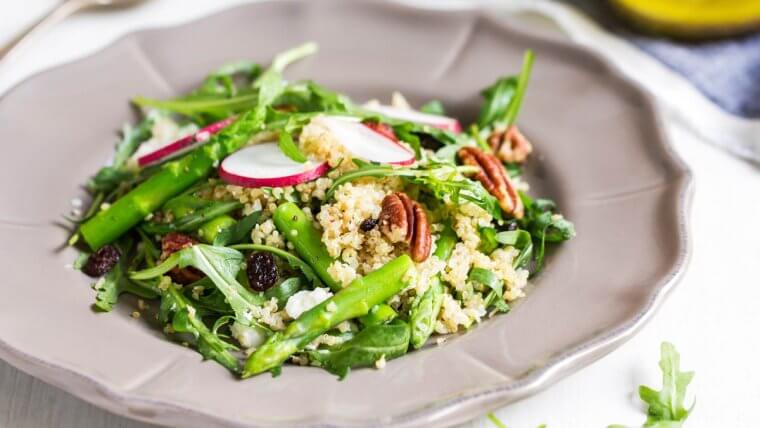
(262, 271)
(368, 224)
(102, 261)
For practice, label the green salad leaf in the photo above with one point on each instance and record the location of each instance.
(271, 84)
(521, 240)
(495, 298)
(504, 97)
(109, 177)
(666, 407)
(289, 148)
(238, 232)
(375, 342)
(115, 282)
(185, 319)
(498, 96)
(221, 265)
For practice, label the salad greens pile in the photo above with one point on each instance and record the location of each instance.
(169, 241)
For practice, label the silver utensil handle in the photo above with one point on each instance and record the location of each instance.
(59, 13)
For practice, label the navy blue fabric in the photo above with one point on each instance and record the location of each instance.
(726, 71)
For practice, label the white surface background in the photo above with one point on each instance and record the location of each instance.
(712, 315)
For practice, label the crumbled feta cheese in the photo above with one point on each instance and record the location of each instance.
(305, 300)
(76, 203)
(248, 337)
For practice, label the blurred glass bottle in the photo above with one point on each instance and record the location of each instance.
(693, 19)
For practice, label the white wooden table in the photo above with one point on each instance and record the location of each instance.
(712, 316)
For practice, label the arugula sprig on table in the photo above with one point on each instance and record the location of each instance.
(665, 408)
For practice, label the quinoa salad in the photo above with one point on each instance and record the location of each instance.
(263, 221)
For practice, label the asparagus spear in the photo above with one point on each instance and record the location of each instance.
(293, 224)
(353, 301)
(425, 307)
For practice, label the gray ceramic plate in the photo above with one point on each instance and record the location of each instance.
(600, 154)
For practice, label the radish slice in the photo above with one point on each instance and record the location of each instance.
(183, 144)
(264, 165)
(366, 143)
(441, 122)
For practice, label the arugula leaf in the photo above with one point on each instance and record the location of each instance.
(310, 97)
(504, 97)
(521, 240)
(193, 220)
(238, 232)
(369, 345)
(498, 96)
(186, 320)
(221, 82)
(221, 265)
(666, 407)
(202, 110)
(271, 84)
(115, 283)
(109, 177)
(539, 220)
(289, 148)
(488, 241)
(433, 107)
(495, 297)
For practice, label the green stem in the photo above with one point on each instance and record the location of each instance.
(522, 84)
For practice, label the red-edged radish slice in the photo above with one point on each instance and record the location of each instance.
(183, 144)
(441, 122)
(264, 165)
(366, 143)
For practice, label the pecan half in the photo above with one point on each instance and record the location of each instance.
(422, 241)
(493, 176)
(404, 220)
(170, 244)
(396, 216)
(510, 145)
